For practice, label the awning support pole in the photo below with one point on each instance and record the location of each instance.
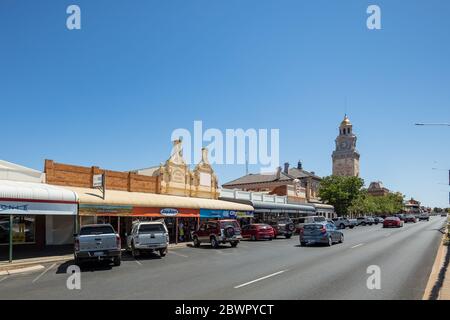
(10, 237)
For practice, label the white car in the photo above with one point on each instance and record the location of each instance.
(148, 237)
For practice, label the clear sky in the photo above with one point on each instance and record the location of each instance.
(111, 93)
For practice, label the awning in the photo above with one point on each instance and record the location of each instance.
(123, 203)
(28, 198)
(261, 206)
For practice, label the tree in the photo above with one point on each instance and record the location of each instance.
(340, 192)
(388, 204)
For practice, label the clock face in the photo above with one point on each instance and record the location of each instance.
(344, 145)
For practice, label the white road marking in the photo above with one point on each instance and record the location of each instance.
(178, 254)
(45, 271)
(4, 278)
(259, 279)
(138, 262)
(358, 245)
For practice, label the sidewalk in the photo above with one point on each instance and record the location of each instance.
(438, 287)
(27, 263)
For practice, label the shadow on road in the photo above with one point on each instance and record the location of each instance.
(88, 266)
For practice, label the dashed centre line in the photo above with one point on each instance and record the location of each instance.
(358, 245)
(260, 279)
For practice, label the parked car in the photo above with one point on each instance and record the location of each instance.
(363, 221)
(443, 214)
(353, 223)
(300, 222)
(410, 218)
(401, 216)
(148, 237)
(342, 223)
(282, 226)
(218, 232)
(257, 231)
(325, 233)
(97, 242)
(378, 220)
(394, 222)
(424, 217)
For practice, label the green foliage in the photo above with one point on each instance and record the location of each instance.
(340, 192)
(365, 203)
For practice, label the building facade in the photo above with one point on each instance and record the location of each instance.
(377, 189)
(346, 157)
(300, 186)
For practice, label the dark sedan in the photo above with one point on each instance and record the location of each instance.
(323, 233)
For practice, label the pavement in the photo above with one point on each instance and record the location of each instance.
(278, 269)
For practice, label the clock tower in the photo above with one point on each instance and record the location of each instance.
(346, 157)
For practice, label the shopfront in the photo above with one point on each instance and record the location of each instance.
(180, 214)
(35, 215)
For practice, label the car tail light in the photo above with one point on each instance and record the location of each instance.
(77, 244)
(323, 230)
(302, 230)
(118, 241)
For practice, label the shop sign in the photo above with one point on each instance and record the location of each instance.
(4, 207)
(169, 212)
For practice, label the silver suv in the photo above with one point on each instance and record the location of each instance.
(342, 223)
(148, 237)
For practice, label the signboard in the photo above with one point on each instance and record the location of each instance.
(97, 181)
(169, 212)
(225, 214)
(37, 208)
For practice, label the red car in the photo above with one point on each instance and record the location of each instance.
(410, 218)
(258, 231)
(392, 222)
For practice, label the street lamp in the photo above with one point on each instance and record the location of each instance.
(433, 124)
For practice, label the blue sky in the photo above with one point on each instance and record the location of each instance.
(111, 93)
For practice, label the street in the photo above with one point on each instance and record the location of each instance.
(279, 269)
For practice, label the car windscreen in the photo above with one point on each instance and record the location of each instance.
(319, 219)
(97, 230)
(149, 228)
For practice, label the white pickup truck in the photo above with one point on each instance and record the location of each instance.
(97, 242)
(148, 236)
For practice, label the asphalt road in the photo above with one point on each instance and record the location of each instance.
(278, 269)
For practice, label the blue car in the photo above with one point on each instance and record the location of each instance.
(324, 233)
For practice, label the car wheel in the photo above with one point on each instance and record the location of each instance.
(363, 224)
(330, 241)
(196, 242)
(234, 243)
(351, 227)
(117, 261)
(270, 239)
(341, 239)
(253, 238)
(288, 236)
(342, 226)
(214, 243)
(303, 244)
(162, 252)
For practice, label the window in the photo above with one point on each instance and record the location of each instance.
(23, 229)
(97, 230)
(149, 228)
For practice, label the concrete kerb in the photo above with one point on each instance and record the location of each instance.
(6, 268)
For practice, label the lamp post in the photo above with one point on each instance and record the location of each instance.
(433, 124)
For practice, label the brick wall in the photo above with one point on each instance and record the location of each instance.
(78, 176)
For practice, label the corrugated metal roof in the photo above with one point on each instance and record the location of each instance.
(114, 197)
(35, 191)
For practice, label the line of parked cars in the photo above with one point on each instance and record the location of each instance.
(101, 242)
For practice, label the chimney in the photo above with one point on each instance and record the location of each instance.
(299, 165)
(278, 172)
(286, 167)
